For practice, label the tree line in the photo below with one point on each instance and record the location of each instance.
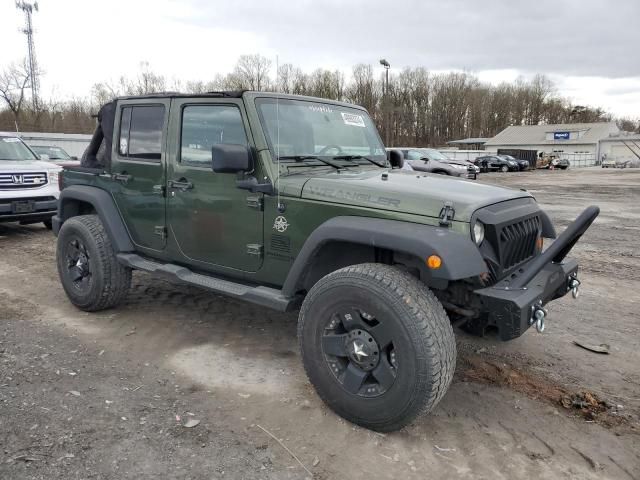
(417, 107)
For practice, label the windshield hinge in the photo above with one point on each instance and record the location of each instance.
(446, 214)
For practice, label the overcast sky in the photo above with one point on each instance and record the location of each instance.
(589, 48)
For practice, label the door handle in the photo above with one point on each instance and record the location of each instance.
(121, 177)
(183, 184)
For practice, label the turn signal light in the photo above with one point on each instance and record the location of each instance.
(434, 262)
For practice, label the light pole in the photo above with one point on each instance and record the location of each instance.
(386, 66)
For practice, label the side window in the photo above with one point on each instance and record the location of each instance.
(141, 132)
(414, 155)
(207, 125)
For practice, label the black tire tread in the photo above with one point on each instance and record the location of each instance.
(115, 278)
(427, 321)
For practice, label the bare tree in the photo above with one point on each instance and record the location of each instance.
(14, 80)
(251, 72)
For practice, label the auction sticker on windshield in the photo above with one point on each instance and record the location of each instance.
(11, 140)
(353, 119)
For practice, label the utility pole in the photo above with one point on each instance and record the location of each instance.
(387, 129)
(28, 9)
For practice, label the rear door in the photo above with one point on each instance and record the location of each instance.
(138, 169)
(214, 223)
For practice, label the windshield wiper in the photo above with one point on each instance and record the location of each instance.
(358, 157)
(302, 158)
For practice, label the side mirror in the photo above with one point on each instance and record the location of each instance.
(396, 159)
(230, 158)
(74, 157)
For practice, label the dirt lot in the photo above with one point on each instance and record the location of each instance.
(108, 395)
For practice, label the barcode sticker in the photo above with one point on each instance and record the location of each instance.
(353, 119)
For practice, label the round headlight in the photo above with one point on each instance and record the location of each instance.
(478, 233)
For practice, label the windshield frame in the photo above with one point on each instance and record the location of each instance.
(372, 132)
(16, 139)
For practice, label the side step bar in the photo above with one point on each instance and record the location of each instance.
(265, 296)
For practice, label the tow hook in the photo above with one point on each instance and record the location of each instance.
(574, 285)
(538, 315)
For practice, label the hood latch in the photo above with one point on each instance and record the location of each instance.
(446, 214)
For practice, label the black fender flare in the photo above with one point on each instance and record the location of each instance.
(105, 207)
(460, 256)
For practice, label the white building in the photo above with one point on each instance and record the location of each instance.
(621, 147)
(580, 143)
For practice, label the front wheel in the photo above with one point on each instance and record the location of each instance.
(504, 169)
(88, 269)
(377, 345)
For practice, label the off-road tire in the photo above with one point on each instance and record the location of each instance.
(424, 339)
(48, 224)
(110, 281)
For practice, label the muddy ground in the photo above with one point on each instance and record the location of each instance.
(108, 395)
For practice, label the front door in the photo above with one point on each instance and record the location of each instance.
(138, 169)
(214, 223)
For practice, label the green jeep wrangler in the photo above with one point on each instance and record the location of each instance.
(293, 203)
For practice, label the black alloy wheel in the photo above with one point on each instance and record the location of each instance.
(78, 264)
(358, 349)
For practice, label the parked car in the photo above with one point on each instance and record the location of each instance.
(490, 163)
(522, 164)
(28, 186)
(372, 257)
(433, 161)
(552, 160)
(57, 155)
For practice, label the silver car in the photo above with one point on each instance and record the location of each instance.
(432, 161)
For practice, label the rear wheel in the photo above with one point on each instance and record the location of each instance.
(89, 271)
(377, 345)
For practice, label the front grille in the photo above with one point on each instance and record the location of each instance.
(19, 180)
(518, 242)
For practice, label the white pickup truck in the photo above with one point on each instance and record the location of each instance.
(28, 186)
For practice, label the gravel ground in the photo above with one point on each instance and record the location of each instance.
(114, 395)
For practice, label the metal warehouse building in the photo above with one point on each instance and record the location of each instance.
(581, 143)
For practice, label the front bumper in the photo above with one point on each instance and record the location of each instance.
(512, 302)
(511, 309)
(27, 210)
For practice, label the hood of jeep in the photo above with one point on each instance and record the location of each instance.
(408, 192)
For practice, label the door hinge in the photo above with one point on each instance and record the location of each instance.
(446, 214)
(160, 230)
(159, 190)
(255, 202)
(254, 249)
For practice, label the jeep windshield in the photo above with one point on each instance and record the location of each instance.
(12, 148)
(305, 131)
